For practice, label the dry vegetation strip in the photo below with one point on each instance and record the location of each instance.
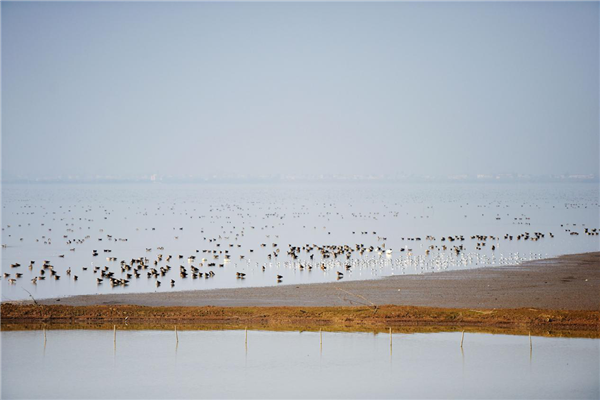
(301, 318)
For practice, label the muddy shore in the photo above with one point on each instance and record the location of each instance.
(570, 282)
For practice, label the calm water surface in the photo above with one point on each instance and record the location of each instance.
(44, 222)
(218, 364)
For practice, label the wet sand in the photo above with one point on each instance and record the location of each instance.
(570, 282)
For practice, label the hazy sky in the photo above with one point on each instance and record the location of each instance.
(353, 88)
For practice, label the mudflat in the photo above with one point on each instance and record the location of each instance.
(570, 282)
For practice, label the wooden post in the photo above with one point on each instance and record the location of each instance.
(44, 335)
(176, 335)
(530, 349)
(390, 337)
(115, 334)
(462, 339)
(246, 330)
(530, 345)
(321, 336)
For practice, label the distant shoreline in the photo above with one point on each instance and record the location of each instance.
(534, 179)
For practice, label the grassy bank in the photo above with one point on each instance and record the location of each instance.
(370, 319)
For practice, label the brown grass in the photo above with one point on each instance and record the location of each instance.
(521, 321)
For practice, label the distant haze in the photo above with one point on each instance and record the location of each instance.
(127, 88)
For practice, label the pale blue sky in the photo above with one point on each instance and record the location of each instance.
(353, 88)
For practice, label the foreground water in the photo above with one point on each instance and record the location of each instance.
(219, 364)
(248, 229)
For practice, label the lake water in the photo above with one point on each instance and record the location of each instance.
(46, 221)
(218, 364)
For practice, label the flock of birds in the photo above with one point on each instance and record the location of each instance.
(342, 259)
(226, 252)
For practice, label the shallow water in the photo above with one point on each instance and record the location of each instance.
(218, 364)
(39, 220)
